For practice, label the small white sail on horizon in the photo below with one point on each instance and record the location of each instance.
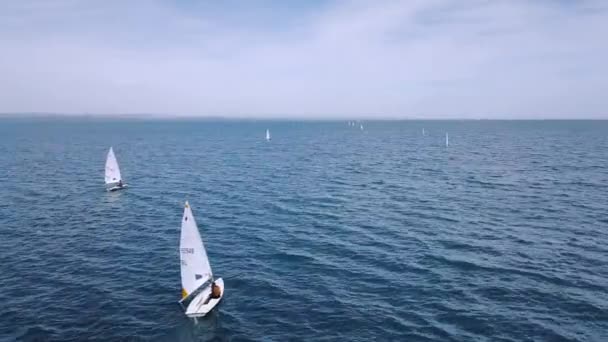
(423, 132)
(113, 178)
(196, 273)
(267, 135)
(447, 140)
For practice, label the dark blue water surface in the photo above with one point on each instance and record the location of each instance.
(325, 233)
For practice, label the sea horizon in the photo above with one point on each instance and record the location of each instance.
(304, 118)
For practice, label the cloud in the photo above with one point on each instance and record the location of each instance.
(423, 59)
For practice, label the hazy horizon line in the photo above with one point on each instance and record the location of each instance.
(262, 117)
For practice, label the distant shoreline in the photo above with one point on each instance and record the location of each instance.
(159, 117)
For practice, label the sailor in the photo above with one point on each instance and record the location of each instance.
(216, 292)
(120, 183)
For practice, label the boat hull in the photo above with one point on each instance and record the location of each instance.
(115, 187)
(198, 307)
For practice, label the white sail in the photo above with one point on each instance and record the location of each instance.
(361, 126)
(423, 132)
(267, 135)
(112, 170)
(195, 268)
(447, 140)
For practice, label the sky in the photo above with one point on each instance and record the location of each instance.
(423, 59)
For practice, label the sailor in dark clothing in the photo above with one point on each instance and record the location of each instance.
(216, 292)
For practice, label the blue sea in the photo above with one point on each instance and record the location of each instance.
(325, 233)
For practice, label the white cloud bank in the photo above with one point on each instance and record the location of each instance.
(384, 59)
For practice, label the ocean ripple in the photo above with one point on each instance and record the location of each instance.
(325, 233)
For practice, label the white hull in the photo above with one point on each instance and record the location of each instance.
(198, 307)
(114, 187)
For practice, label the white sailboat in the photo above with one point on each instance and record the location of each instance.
(423, 132)
(267, 135)
(197, 277)
(447, 140)
(361, 126)
(112, 177)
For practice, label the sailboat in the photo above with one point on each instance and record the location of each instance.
(267, 135)
(423, 132)
(112, 176)
(447, 140)
(197, 277)
(361, 126)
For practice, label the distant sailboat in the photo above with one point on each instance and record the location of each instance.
(423, 132)
(112, 176)
(361, 126)
(447, 140)
(267, 135)
(200, 290)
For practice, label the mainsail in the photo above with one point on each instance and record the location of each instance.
(112, 170)
(195, 268)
